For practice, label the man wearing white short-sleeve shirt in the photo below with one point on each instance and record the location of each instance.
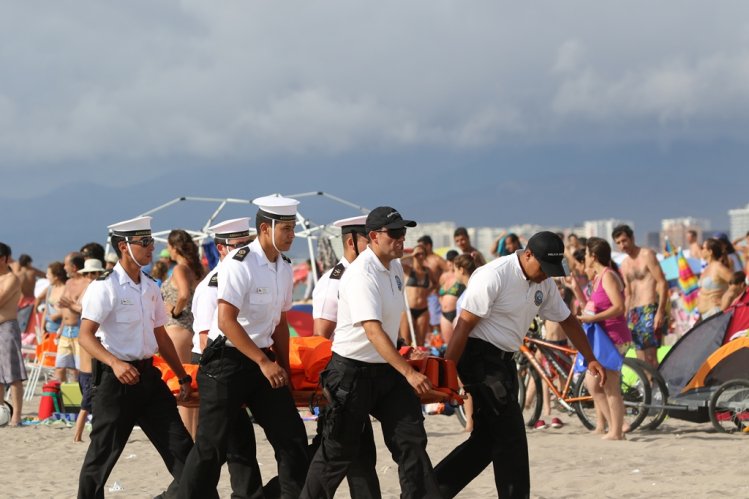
(244, 471)
(367, 375)
(247, 361)
(501, 300)
(325, 296)
(124, 310)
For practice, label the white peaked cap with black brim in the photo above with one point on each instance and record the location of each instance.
(352, 224)
(277, 208)
(231, 229)
(140, 226)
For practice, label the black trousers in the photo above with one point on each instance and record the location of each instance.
(357, 390)
(498, 435)
(227, 381)
(244, 472)
(119, 407)
(362, 474)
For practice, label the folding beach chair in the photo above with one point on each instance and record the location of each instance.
(44, 364)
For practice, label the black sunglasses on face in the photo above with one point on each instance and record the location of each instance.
(394, 233)
(145, 242)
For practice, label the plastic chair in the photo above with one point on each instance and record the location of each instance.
(44, 363)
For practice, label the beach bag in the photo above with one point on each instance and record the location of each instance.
(603, 348)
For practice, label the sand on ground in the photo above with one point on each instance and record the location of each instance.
(678, 460)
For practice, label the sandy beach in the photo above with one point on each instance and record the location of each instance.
(680, 459)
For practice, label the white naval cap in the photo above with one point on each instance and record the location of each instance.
(277, 208)
(352, 224)
(140, 226)
(231, 229)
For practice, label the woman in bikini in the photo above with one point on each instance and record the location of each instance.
(419, 284)
(450, 290)
(606, 306)
(714, 278)
(177, 292)
(56, 275)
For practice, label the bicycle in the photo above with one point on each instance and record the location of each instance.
(574, 396)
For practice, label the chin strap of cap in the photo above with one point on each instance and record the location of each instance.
(273, 234)
(130, 251)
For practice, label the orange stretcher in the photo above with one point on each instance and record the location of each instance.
(309, 355)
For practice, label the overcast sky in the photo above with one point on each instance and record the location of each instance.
(482, 112)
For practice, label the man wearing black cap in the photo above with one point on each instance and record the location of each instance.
(247, 358)
(367, 375)
(500, 302)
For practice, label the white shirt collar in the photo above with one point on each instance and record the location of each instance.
(122, 276)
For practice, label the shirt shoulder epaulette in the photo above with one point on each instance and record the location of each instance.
(338, 271)
(213, 281)
(104, 275)
(241, 254)
(149, 276)
(285, 258)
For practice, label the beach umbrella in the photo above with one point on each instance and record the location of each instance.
(688, 282)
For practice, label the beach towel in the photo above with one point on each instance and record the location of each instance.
(603, 348)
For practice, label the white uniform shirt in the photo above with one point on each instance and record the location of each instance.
(325, 295)
(259, 288)
(368, 291)
(127, 313)
(204, 305)
(507, 302)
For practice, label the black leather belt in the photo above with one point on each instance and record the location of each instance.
(140, 364)
(488, 347)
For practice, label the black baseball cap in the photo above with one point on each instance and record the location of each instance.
(385, 217)
(548, 248)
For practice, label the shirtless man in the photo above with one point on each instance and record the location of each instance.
(695, 250)
(645, 294)
(12, 370)
(27, 274)
(463, 242)
(68, 351)
(437, 265)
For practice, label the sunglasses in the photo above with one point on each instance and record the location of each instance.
(394, 233)
(145, 242)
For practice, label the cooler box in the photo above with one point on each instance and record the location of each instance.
(71, 396)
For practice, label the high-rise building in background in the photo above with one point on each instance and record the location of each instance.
(739, 222)
(675, 229)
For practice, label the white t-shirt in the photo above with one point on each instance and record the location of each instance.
(127, 313)
(507, 301)
(368, 291)
(325, 295)
(259, 288)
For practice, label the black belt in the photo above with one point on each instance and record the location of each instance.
(233, 351)
(365, 369)
(140, 364)
(488, 347)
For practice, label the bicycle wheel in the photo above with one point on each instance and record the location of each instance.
(729, 407)
(635, 390)
(658, 396)
(530, 398)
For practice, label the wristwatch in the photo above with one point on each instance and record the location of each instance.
(186, 379)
